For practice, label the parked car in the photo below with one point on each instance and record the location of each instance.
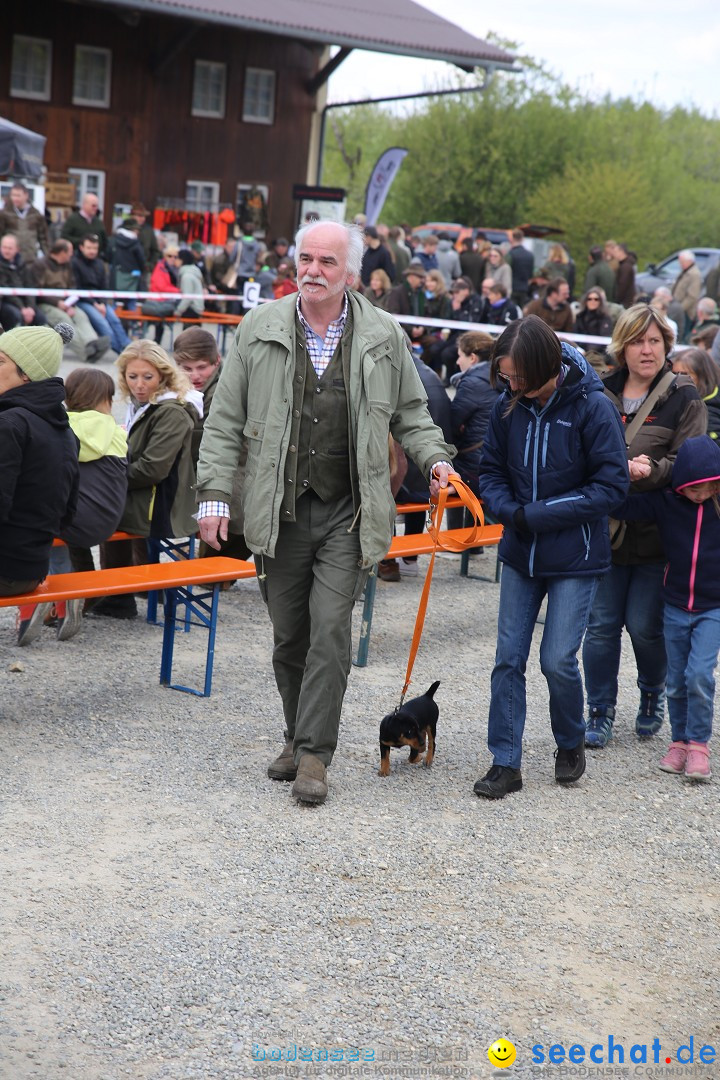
(665, 272)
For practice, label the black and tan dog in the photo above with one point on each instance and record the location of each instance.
(414, 725)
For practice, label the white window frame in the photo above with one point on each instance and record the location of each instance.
(85, 187)
(211, 185)
(77, 99)
(211, 113)
(252, 118)
(36, 95)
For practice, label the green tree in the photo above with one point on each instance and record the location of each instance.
(527, 146)
(594, 201)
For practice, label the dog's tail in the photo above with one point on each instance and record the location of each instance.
(431, 692)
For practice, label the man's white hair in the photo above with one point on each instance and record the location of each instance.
(355, 249)
(707, 304)
(662, 293)
(687, 254)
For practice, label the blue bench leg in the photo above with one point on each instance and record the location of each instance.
(168, 637)
(206, 616)
(364, 643)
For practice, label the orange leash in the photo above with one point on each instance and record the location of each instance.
(459, 544)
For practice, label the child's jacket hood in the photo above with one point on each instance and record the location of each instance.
(698, 461)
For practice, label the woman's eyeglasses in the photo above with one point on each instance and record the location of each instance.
(505, 380)
(593, 300)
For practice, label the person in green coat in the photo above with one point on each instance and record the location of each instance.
(162, 412)
(84, 221)
(314, 385)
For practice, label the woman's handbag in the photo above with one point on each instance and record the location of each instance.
(161, 308)
(618, 528)
(229, 278)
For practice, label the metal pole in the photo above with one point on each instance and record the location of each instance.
(382, 101)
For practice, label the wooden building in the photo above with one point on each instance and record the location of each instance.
(194, 102)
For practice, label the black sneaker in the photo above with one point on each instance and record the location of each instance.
(497, 782)
(570, 764)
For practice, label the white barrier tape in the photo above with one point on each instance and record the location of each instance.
(106, 294)
(490, 328)
(409, 320)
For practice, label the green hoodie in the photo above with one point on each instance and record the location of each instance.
(99, 435)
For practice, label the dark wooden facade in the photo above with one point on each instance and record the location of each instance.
(147, 142)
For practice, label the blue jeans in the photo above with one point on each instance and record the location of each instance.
(692, 640)
(106, 326)
(569, 600)
(629, 596)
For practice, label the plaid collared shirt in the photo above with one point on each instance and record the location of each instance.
(321, 350)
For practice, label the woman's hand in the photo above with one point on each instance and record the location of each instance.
(639, 467)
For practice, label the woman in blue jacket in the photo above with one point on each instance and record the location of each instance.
(553, 466)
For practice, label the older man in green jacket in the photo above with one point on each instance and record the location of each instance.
(314, 385)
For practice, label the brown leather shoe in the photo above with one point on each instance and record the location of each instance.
(388, 570)
(311, 783)
(283, 767)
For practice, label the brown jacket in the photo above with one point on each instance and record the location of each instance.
(625, 282)
(687, 290)
(559, 319)
(678, 414)
(31, 230)
(48, 274)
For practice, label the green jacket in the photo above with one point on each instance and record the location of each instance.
(160, 475)
(77, 227)
(254, 400)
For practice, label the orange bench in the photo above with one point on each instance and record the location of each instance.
(221, 319)
(175, 579)
(402, 547)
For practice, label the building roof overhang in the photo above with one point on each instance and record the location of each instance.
(399, 27)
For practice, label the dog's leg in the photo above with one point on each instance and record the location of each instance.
(414, 758)
(384, 769)
(430, 746)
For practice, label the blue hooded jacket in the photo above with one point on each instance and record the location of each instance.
(690, 531)
(551, 475)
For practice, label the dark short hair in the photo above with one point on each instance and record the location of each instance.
(92, 237)
(195, 344)
(60, 245)
(86, 388)
(17, 185)
(535, 351)
(555, 284)
(475, 341)
(462, 283)
(498, 288)
(705, 335)
(596, 253)
(517, 234)
(371, 231)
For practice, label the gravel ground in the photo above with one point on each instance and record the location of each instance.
(169, 911)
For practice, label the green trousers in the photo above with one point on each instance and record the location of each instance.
(310, 588)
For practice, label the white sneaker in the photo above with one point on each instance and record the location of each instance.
(72, 622)
(408, 567)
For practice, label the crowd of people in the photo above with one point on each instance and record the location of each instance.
(602, 466)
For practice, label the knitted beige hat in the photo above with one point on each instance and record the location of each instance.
(37, 350)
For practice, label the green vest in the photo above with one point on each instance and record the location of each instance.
(321, 457)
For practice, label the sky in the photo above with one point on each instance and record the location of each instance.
(664, 52)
